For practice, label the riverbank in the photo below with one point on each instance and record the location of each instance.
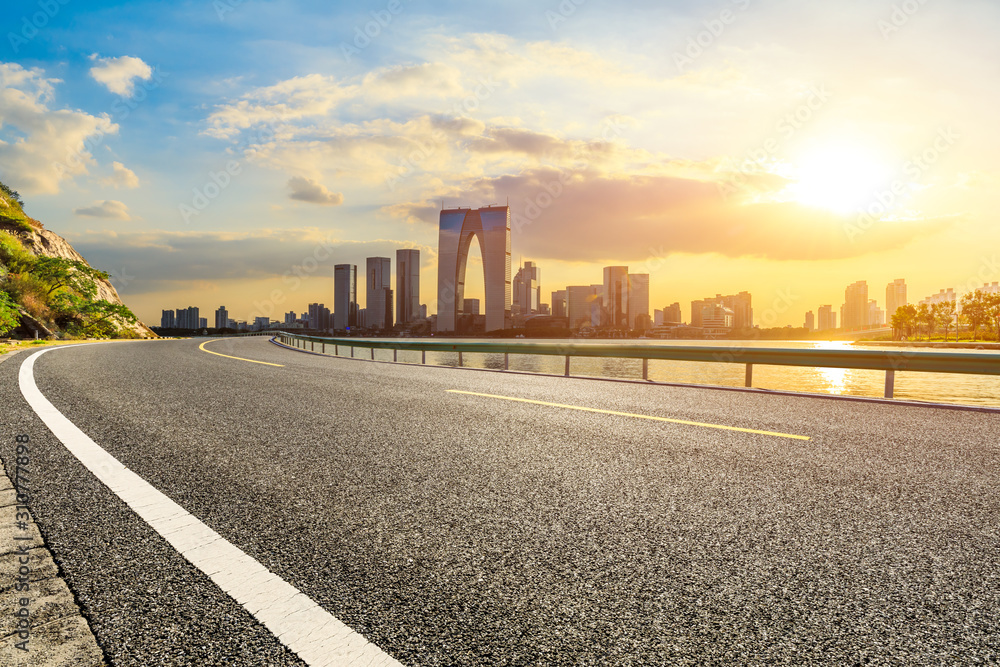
(964, 345)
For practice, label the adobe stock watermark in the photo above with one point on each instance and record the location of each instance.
(899, 17)
(293, 278)
(223, 7)
(409, 164)
(121, 108)
(913, 172)
(551, 191)
(756, 159)
(32, 24)
(216, 182)
(365, 34)
(699, 43)
(562, 13)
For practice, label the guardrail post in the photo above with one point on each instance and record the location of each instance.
(645, 369)
(459, 359)
(373, 354)
(567, 365)
(506, 361)
(352, 352)
(749, 382)
(322, 347)
(423, 356)
(312, 346)
(890, 382)
(336, 349)
(394, 355)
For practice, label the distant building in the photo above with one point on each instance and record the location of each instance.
(187, 318)
(470, 307)
(856, 309)
(202, 322)
(638, 300)
(345, 296)
(810, 324)
(741, 305)
(657, 318)
(290, 317)
(583, 306)
(672, 314)
(895, 297)
(167, 320)
(526, 291)
(423, 311)
(940, 297)
(993, 288)
(827, 318)
(378, 286)
(876, 316)
(559, 303)
(261, 323)
(491, 226)
(717, 316)
(616, 297)
(221, 318)
(407, 285)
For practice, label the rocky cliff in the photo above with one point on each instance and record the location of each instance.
(42, 242)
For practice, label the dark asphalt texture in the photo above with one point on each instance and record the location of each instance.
(455, 529)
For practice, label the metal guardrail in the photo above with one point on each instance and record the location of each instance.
(889, 361)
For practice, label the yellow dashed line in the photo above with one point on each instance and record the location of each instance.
(629, 414)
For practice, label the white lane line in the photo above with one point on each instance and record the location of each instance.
(314, 634)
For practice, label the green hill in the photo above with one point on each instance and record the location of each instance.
(47, 289)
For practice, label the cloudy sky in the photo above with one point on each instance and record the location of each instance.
(211, 152)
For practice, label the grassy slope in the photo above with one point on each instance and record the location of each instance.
(11, 212)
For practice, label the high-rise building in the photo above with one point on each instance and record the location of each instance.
(345, 296)
(638, 300)
(672, 314)
(940, 297)
(202, 322)
(855, 314)
(895, 296)
(583, 305)
(827, 318)
(407, 285)
(319, 317)
(221, 318)
(559, 303)
(423, 311)
(876, 316)
(167, 320)
(810, 324)
(290, 317)
(526, 290)
(470, 307)
(491, 226)
(616, 297)
(715, 315)
(378, 285)
(657, 318)
(261, 323)
(188, 318)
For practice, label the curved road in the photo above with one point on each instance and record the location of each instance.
(449, 524)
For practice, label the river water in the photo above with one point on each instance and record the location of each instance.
(982, 390)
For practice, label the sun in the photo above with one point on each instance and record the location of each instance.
(838, 176)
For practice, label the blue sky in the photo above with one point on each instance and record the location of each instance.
(663, 126)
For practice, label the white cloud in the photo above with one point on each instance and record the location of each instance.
(308, 190)
(109, 208)
(121, 177)
(41, 147)
(119, 74)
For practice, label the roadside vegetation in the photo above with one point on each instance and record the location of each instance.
(976, 317)
(54, 296)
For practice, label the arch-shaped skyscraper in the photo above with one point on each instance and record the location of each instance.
(491, 226)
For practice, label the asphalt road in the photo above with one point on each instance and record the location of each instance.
(454, 528)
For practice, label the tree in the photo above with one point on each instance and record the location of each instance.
(991, 304)
(59, 272)
(9, 317)
(905, 317)
(944, 315)
(975, 310)
(925, 316)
